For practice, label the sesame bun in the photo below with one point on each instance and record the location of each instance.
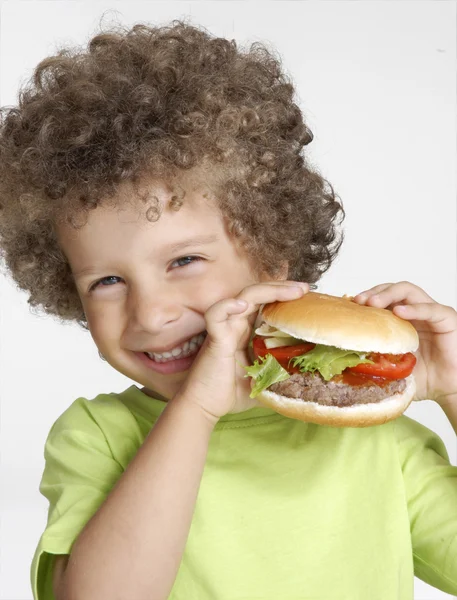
(338, 321)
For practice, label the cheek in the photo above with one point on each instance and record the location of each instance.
(223, 285)
(104, 326)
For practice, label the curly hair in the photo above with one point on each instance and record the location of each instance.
(159, 102)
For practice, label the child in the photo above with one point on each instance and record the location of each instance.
(185, 488)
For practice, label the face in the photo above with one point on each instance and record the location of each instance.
(145, 286)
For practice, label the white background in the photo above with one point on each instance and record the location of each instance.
(376, 81)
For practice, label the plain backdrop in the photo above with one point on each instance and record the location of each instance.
(376, 81)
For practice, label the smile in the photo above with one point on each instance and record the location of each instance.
(187, 349)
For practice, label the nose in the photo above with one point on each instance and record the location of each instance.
(152, 311)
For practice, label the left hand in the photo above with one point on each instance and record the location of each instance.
(435, 371)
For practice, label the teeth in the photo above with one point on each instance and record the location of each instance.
(186, 349)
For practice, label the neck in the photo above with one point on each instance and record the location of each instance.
(153, 394)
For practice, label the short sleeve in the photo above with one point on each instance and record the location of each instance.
(431, 493)
(79, 473)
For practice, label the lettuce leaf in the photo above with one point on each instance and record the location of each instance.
(265, 371)
(329, 360)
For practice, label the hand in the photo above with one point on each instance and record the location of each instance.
(216, 380)
(436, 367)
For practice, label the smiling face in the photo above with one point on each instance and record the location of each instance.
(155, 280)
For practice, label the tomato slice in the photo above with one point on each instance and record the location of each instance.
(391, 366)
(387, 366)
(283, 354)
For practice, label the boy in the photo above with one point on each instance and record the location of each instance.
(187, 488)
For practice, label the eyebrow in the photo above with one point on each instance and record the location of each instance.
(200, 240)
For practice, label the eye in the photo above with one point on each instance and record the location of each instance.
(113, 279)
(187, 260)
(102, 282)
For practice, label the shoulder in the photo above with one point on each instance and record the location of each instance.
(103, 423)
(103, 412)
(405, 428)
(414, 437)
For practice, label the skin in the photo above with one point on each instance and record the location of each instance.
(152, 302)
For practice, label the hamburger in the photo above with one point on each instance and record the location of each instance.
(328, 360)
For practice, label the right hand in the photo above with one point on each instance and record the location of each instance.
(216, 382)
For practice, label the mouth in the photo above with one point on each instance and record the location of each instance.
(188, 348)
(177, 363)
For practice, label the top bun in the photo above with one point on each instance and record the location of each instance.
(338, 321)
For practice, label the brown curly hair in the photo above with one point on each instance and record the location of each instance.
(159, 102)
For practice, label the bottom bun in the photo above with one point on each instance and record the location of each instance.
(358, 415)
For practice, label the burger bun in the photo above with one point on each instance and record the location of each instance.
(357, 415)
(338, 321)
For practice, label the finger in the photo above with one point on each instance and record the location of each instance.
(247, 303)
(388, 295)
(224, 309)
(253, 312)
(221, 311)
(439, 318)
(363, 296)
(216, 318)
(264, 293)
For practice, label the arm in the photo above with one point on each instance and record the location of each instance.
(450, 410)
(132, 546)
(430, 485)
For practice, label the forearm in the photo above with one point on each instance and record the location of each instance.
(132, 547)
(450, 409)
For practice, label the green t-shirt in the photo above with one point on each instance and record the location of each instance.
(285, 509)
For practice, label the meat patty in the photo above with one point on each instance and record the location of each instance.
(312, 387)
